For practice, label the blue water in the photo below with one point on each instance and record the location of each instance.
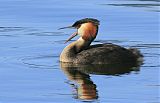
(30, 45)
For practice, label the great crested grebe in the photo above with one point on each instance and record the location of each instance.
(80, 51)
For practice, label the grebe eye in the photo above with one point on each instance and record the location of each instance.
(78, 26)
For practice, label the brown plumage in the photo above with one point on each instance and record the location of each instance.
(80, 51)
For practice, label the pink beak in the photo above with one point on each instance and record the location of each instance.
(72, 36)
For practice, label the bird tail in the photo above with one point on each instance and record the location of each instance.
(138, 55)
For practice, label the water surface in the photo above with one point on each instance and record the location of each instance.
(30, 45)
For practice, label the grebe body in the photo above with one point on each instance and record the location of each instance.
(81, 52)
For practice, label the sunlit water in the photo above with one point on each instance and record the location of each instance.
(30, 45)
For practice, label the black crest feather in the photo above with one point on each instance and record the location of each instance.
(86, 20)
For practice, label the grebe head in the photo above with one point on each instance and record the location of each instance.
(87, 28)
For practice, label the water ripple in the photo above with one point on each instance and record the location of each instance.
(15, 31)
(46, 33)
(154, 6)
(143, 46)
(114, 41)
(151, 66)
(147, 0)
(10, 29)
(137, 5)
(40, 62)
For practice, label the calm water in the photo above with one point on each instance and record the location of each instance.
(30, 45)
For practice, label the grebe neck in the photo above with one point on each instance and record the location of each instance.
(69, 52)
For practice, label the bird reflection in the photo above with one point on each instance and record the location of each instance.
(83, 87)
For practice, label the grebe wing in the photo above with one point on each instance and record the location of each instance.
(106, 54)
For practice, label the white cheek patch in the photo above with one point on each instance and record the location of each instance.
(80, 32)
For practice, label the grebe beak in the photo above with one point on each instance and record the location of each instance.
(72, 36)
(66, 27)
